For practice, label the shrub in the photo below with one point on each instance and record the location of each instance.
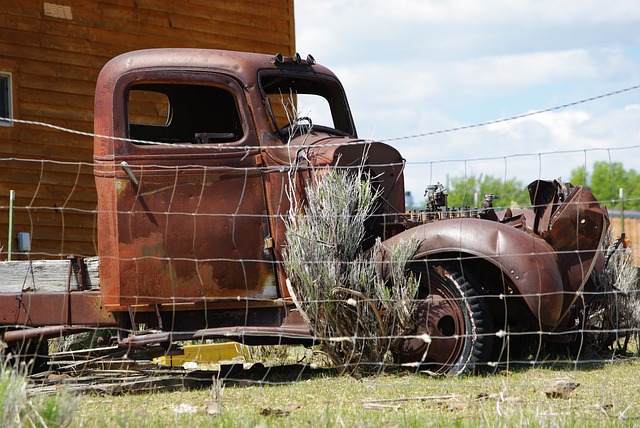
(334, 283)
(13, 396)
(16, 409)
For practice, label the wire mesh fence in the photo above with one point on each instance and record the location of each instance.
(308, 269)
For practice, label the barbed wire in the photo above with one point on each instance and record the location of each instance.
(521, 116)
(358, 142)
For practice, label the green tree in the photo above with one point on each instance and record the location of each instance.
(509, 192)
(605, 181)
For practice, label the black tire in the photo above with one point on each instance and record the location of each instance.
(454, 328)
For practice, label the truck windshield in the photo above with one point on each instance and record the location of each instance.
(299, 100)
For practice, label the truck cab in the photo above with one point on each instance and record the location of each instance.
(194, 150)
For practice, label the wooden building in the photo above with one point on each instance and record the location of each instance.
(631, 231)
(51, 52)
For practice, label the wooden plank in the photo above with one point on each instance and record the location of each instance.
(51, 137)
(186, 35)
(56, 112)
(72, 125)
(39, 207)
(35, 204)
(83, 205)
(65, 182)
(68, 46)
(59, 71)
(57, 231)
(234, 30)
(78, 46)
(49, 97)
(127, 12)
(46, 276)
(23, 8)
(61, 248)
(232, 11)
(222, 30)
(46, 166)
(632, 232)
(275, 18)
(44, 25)
(48, 199)
(43, 151)
(40, 184)
(211, 18)
(62, 87)
(110, 30)
(54, 224)
(17, 37)
(53, 244)
(59, 61)
(19, 52)
(65, 190)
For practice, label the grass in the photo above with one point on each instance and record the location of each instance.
(608, 395)
(17, 409)
(12, 396)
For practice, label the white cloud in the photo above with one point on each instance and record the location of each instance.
(545, 146)
(417, 66)
(460, 29)
(562, 126)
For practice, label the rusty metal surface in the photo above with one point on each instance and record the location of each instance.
(245, 334)
(186, 221)
(46, 309)
(34, 309)
(576, 232)
(544, 258)
(547, 268)
(190, 234)
(527, 261)
(48, 332)
(46, 315)
(383, 162)
(161, 249)
(234, 68)
(440, 316)
(193, 225)
(277, 325)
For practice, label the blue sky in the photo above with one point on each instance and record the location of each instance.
(413, 67)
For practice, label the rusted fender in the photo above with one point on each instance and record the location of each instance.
(577, 232)
(528, 261)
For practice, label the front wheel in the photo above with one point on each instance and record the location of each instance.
(453, 331)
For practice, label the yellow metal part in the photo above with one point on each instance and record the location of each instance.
(211, 353)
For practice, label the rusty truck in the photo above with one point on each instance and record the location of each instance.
(193, 151)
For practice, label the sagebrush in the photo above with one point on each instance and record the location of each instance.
(334, 281)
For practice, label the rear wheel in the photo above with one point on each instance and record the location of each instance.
(453, 327)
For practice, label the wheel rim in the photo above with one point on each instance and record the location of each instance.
(441, 326)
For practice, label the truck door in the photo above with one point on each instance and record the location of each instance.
(182, 213)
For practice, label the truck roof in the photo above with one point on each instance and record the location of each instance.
(243, 65)
(127, 69)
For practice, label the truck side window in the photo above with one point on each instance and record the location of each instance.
(182, 113)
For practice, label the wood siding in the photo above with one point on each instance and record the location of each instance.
(632, 233)
(54, 63)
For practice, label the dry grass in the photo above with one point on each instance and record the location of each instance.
(17, 409)
(608, 395)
